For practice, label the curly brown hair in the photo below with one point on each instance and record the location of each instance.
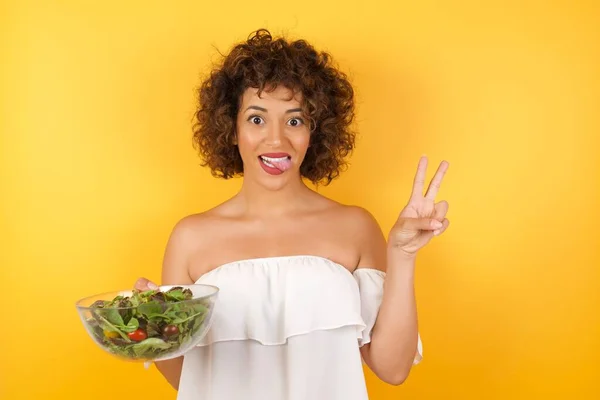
(264, 62)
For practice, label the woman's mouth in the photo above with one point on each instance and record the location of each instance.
(275, 163)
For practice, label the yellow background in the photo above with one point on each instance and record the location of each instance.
(97, 165)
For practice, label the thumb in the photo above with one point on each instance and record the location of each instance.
(144, 284)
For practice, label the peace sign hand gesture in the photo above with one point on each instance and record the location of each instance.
(422, 218)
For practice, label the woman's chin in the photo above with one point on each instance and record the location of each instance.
(275, 182)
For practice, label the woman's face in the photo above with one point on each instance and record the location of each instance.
(272, 136)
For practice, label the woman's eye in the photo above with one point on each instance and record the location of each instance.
(256, 120)
(296, 121)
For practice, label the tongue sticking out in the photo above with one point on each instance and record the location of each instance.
(281, 164)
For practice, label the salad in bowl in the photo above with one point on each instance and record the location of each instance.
(151, 325)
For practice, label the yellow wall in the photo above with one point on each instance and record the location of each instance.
(97, 165)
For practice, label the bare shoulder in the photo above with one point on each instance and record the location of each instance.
(359, 216)
(187, 231)
(350, 218)
(188, 236)
(369, 237)
(191, 228)
(357, 219)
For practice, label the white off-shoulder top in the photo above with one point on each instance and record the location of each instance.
(285, 328)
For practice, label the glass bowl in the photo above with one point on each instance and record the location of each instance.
(152, 325)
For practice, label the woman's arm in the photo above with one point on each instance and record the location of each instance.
(393, 346)
(394, 339)
(174, 272)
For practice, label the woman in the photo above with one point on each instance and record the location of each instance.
(309, 287)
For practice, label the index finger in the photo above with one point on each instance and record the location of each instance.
(419, 180)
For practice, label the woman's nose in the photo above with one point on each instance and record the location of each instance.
(274, 134)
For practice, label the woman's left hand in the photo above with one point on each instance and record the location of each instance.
(422, 218)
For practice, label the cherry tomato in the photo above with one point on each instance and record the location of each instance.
(137, 335)
(170, 330)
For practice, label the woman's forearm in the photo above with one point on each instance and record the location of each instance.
(171, 370)
(395, 334)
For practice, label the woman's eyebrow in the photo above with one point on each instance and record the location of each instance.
(256, 108)
(293, 110)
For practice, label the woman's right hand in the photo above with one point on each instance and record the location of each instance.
(144, 284)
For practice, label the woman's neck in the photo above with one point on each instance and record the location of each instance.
(258, 201)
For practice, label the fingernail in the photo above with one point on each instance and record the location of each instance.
(152, 286)
(436, 224)
(436, 232)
